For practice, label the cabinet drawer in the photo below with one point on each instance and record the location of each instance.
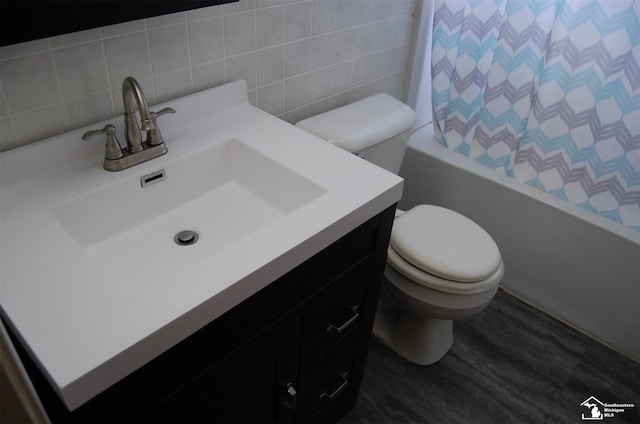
(337, 381)
(337, 316)
(330, 381)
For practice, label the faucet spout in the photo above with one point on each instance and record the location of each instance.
(132, 96)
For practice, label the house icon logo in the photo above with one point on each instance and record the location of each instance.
(595, 407)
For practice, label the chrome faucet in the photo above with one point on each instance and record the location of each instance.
(137, 151)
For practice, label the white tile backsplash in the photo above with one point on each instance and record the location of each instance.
(30, 82)
(296, 57)
(206, 40)
(4, 107)
(270, 65)
(300, 58)
(298, 21)
(165, 20)
(268, 3)
(203, 13)
(341, 76)
(82, 69)
(367, 11)
(79, 37)
(172, 85)
(168, 52)
(319, 84)
(271, 98)
(124, 28)
(323, 16)
(240, 33)
(296, 91)
(270, 26)
(362, 70)
(243, 67)
(240, 6)
(37, 124)
(86, 110)
(8, 136)
(209, 75)
(344, 41)
(347, 14)
(128, 55)
(25, 49)
(321, 51)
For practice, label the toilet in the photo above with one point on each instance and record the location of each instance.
(441, 266)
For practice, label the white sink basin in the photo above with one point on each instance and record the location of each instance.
(223, 193)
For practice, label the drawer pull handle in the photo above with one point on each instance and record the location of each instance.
(343, 385)
(346, 325)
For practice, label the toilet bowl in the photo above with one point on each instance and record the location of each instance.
(441, 266)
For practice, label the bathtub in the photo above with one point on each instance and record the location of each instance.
(576, 266)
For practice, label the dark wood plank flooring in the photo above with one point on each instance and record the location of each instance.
(509, 364)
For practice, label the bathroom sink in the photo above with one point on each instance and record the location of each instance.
(222, 193)
(92, 279)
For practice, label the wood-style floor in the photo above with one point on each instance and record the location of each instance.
(509, 364)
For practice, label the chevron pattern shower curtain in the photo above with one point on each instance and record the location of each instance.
(548, 92)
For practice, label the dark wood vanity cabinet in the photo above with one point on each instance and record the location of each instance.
(293, 352)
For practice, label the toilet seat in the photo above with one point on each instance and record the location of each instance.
(421, 278)
(443, 243)
(463, 260)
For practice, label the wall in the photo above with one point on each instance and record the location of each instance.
(299, 58)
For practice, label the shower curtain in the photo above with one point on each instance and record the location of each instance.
(546, 91)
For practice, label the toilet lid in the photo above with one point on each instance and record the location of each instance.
(445, 243)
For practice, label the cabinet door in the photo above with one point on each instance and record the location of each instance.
(248, 385)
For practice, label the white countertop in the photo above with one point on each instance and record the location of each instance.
(87, 330)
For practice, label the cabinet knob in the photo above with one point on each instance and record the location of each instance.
(291, 398)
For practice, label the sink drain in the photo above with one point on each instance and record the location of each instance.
(186, 238)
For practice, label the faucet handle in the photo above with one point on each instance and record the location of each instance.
(154, 137)
(164, 111)
(113, 148)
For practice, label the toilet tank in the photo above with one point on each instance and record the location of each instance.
(376, 128)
